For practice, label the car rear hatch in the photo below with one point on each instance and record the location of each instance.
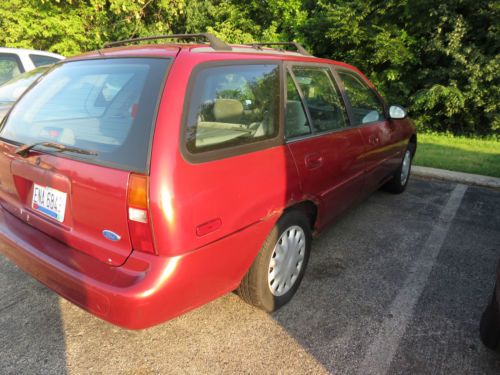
(73, 144)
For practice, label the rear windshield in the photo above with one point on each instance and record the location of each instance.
(13, 89)
(106, 106)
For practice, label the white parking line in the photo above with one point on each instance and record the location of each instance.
(380, 353)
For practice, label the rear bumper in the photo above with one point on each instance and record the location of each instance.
(146, 289)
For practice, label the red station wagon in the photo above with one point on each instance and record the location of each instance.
(140, 182)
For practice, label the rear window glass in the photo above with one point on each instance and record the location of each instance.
(106, 106)
(11, 91)
(232, 106)
(39, 60)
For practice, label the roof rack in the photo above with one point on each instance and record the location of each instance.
(215, 42)
(298, 46)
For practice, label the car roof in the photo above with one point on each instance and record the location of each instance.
(149, 50)
(173, 49)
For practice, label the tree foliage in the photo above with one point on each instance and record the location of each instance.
(440, 59)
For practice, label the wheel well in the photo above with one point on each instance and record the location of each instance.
(308, 208)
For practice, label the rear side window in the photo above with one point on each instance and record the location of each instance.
(232, 105)
(366, 106)
(322, 97)
(296, 123)
(10, 66)
(39, 60)
(107, 106)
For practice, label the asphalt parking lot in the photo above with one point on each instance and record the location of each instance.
(397, 286)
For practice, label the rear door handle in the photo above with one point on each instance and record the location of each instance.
(313, 161)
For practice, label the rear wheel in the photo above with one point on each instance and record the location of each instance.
(277, 271)
(400, 178)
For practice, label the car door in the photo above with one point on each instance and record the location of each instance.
(382, 152)
(325, 149)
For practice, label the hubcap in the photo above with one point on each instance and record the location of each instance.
(405, 168)
(287, 260)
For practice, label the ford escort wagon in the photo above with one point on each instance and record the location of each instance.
(140, 181)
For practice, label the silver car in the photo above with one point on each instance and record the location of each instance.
(15, 61)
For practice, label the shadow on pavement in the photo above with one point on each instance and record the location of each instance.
(357, 268)
(361, 263)
(32, 339)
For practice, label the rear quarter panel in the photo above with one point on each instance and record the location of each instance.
(231, 193)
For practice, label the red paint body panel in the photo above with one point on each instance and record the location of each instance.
(147, 289)
(209, 219)
(335, 183)
(96, 200)
(185, 195)
(383, 152)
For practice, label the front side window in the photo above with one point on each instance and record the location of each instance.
(106, 106)
(366, 106)
(232, 106)
(322, 97)
(10, 66)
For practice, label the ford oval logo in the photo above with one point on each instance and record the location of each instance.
(112, 236)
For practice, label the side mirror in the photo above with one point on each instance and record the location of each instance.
(397, 113)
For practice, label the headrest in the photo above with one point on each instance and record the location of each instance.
(228, 110)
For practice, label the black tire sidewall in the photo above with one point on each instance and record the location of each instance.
(395, 185)
(268, 300)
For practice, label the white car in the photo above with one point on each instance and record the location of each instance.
(14, 61)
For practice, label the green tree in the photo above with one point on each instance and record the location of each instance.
(71, 26)
(440, 59)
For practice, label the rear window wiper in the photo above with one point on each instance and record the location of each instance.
(25, 149)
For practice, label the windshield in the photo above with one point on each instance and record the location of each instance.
(104, 105)
(10, 91)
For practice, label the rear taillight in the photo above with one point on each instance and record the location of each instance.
(139, 218)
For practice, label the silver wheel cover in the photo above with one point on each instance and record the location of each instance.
(287, 260)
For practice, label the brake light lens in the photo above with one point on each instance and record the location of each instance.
(139, 218)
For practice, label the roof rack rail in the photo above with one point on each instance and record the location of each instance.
(298, 46)
(215, 42)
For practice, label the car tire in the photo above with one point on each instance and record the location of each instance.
(282, 259)
(489, 326)
(397, 184)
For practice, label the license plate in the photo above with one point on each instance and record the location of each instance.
(48, 201)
